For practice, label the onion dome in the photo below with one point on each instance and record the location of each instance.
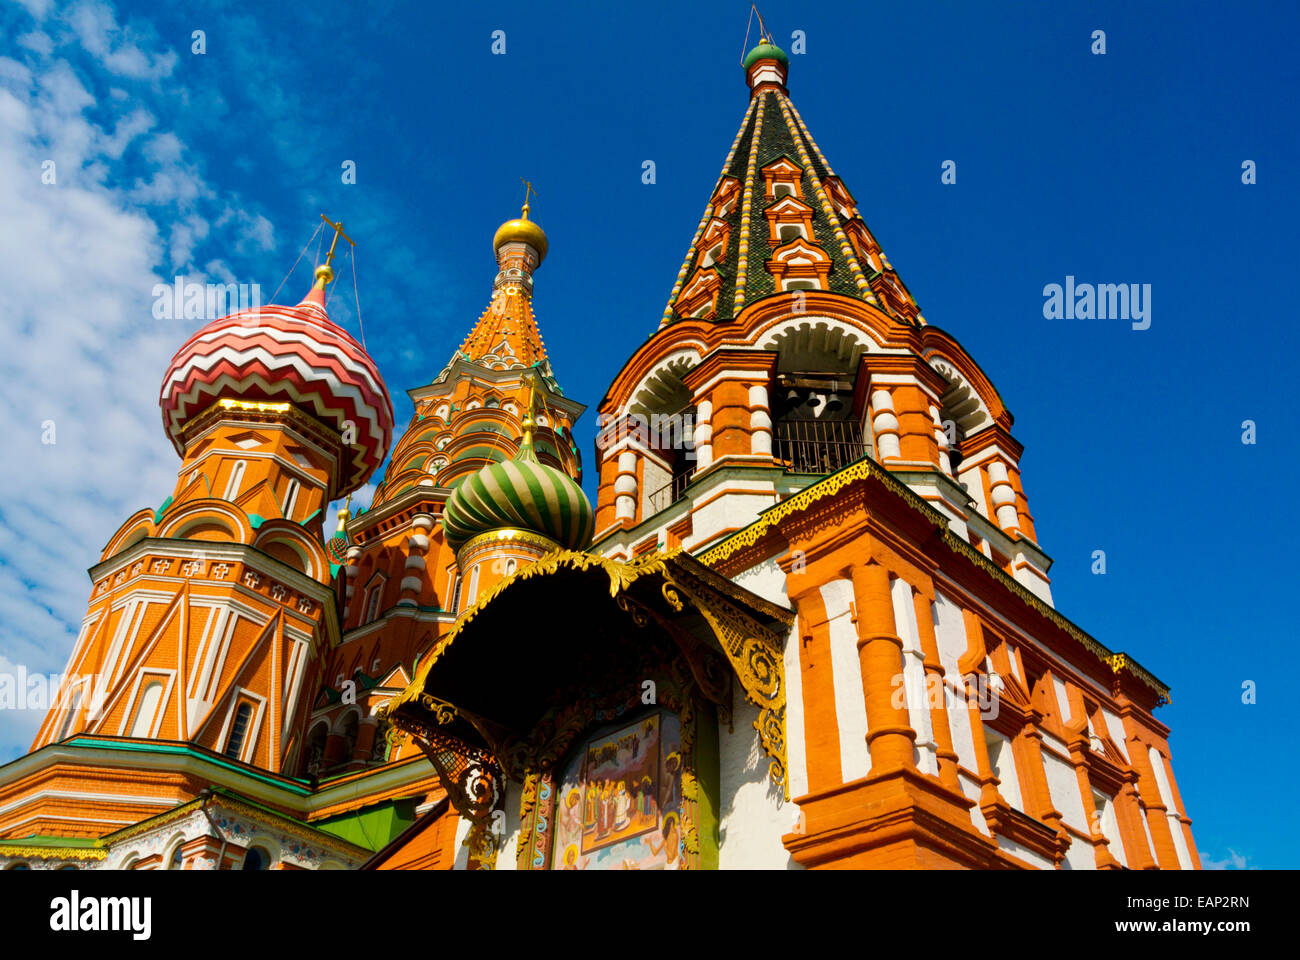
(276, 354)
(522, 230)
(766, 51)
(521, 493)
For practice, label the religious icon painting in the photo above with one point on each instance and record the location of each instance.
(619, 802)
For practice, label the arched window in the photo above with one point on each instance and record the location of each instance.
(290, 498)
(18, 866)
(473, 585)
(238, 730)
(177, 861)
(456, 582)
(236, 478)
(349, 734)
(315, 750)
(256, 859)
(147, 709)
(373, 599)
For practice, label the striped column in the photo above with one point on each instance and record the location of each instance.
(350, 576)
(417, 545)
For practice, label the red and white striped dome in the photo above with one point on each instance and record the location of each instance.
(280, 353)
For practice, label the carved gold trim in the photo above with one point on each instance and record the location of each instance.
(54, 853)
(506, 535)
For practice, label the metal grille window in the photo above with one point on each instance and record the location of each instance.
(669, 493)
(818, 446)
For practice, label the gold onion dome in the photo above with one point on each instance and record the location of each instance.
(522, 230)
(523, 494)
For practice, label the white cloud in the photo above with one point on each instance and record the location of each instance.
(112, 46)
(1233, 861)
(82, 351)
(36, 41)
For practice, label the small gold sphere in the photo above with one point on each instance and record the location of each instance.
(325, 272)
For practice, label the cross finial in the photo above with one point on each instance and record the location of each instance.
(325, 272)
(528, 189)
(338, 232)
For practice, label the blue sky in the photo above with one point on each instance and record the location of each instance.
(1122, 168)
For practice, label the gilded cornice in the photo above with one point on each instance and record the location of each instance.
(41, 852)
(753, 650)
(770, 519)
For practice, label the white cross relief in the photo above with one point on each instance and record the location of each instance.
(252, 578)
(103, 586)
(305, 605)
(137, 568)
(161, 566)
(220, 571)
(278, 592)
(192, 567)
(120, 577)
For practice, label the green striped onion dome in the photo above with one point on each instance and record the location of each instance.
(766, 51)
(522, 493)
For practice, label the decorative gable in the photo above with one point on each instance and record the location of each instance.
(800, 266)
(699, 298)
(789, 219)
(782, 178)
(725, 197)
(713, 245)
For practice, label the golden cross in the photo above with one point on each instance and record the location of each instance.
(528, 188)
(338, 232)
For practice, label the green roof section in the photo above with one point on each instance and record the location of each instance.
(158, 514)
(371, 827)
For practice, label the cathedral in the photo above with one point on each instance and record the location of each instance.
(806, 623)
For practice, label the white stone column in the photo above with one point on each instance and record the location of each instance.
(760, 421)
(625, 486)
(1004, 498)
(941, 438)
(885, 425)
(703, 435)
